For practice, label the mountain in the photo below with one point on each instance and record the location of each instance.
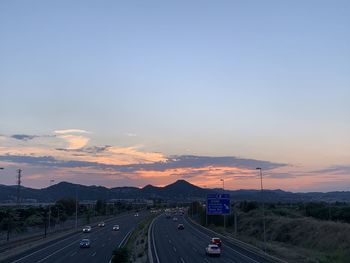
(180, 190)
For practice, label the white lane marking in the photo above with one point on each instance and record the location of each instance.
(103, 245)
(194, 249)
(42, 249)
(122, 242)
(182, 260)
(60, 241)
(174, 248)
(72, 255)
(50, 255)
(169, 241)
(125, 237)
(154, 245)
(93, 254)
(206, 260)
(224, 244)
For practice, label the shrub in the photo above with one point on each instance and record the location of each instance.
(121, 255)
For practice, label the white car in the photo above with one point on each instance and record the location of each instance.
(87, 229)
(213, 250)
(101, 224)
(115, 227)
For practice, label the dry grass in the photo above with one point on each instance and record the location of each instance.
(297, 239)
(138, 243)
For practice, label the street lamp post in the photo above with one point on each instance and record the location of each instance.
(51, 181)
(263, 206)
(223, 190)
(76, 207)
(223, 184)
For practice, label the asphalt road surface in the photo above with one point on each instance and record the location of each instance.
(170, 245)
(103, 242)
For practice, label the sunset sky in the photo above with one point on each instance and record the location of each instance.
(119, 93)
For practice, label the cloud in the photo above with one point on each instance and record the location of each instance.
(75, 141)
(71, 131)
(335, 169)
(92, 149)
(73, 137)
(130, 134)
(178, 162)
(183, 161)
(281, 176)
(206, 171)
(24, 137)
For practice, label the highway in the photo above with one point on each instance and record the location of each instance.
(103, 242)
(170, 245)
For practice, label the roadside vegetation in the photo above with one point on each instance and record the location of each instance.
(136, 248)
(301, 232)
(22, 220)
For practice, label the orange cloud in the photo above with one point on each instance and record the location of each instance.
(75, 141)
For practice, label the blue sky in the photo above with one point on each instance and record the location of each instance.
(264, 80)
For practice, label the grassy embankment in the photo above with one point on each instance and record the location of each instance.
(291, 235)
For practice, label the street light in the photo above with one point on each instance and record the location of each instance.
(263, 206)
(223, 184)
(51, 181)
(223, 190)
(76, 207)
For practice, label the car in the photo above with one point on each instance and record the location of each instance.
(213, 250)
(85, 243)
(174, 219)
(101, 224)
(180, 227)
(115, 227)
(87, 229)
(216, 241)
(136, 214)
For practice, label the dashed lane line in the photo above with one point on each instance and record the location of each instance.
(50, 255)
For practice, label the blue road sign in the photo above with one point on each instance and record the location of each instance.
(218, 204)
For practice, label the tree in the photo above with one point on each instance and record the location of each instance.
(67, 204)
(101, 207)
(120, 255)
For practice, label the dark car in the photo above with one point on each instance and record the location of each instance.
(180, 227)
(85, 243)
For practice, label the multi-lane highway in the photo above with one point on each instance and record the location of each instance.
(103, 241)
(170, 245)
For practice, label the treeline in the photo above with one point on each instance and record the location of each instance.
(22, 218)
(338, 211)
(334, 211)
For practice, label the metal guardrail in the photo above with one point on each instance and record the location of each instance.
(150, 231)
(252, 249)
